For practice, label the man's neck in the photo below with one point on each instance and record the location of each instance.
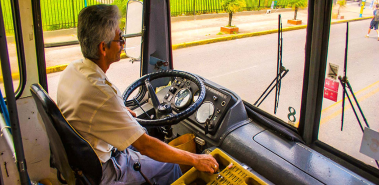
(102, 64)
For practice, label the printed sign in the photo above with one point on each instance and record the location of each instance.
(332, 71)
(370, 143)
(331, 89)
(332, 84)
(331, 95)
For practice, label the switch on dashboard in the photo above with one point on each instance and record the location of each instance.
(172, 90)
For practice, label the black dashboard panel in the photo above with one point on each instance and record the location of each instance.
(277, 158)
(219, 101)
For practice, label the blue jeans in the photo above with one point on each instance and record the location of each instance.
(119, 169)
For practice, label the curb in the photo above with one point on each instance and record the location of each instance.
(244, 35)
(59, 68)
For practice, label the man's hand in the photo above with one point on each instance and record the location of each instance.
(132, 112)
(206, 163)
(163, 152)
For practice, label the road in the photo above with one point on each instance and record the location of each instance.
(247, 66)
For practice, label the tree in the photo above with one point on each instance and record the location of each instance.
(121, 4)
(232, 6)
(341, 4)
(296, 4)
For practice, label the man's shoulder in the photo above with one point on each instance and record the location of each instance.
(84, 78)
(82, 68)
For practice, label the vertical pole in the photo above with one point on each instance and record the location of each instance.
(362, 7)
(194, 5)
(38, 32)
(85, 3)
(73, 13)
(9, 91)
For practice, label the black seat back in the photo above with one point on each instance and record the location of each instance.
(73, 156)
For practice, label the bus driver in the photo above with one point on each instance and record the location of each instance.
(94, 107)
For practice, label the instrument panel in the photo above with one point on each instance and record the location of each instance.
(183, 93)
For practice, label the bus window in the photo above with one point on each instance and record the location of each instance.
(360, 72)
(59, 19)
(12, 48)
(249, 65)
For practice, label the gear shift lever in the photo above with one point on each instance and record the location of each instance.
(137, 167)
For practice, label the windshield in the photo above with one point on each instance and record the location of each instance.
(249, 65)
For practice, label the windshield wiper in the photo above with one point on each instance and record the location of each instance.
(281, 71)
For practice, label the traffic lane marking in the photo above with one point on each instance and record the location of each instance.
(347, 105)
(357, 93)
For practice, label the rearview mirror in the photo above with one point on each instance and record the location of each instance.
(133, 30)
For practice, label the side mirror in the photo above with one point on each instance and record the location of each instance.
(133, 30)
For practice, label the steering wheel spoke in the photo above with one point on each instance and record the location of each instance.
(164, 117)
(153, 96)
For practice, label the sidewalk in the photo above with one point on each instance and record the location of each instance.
(188, 31)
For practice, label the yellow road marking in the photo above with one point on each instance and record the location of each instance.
(347, 105)
(357, 93)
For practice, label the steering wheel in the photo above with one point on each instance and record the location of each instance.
(162, 110)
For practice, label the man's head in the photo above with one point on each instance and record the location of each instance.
(96, 24)
(377, 6)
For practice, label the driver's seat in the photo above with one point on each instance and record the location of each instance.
(71, 154)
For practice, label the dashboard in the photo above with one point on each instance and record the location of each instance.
(247, 135)
(182, 93)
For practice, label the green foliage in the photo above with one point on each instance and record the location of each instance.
(62, 14)
(232, 6)
(297, 3)
(341, 3)
(121, 4)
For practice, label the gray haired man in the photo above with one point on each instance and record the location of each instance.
(94, 107)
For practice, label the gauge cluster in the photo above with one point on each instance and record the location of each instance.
(183, 93)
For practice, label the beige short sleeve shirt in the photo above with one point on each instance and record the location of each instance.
(94, 107)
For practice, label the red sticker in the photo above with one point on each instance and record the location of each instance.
(331, 95)
(331, 84)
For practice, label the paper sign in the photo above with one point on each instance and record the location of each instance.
(370, 143)
(331, 89)
(332, 71)
(332, 84)
(331, 95)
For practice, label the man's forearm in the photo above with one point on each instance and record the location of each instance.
(160, 151)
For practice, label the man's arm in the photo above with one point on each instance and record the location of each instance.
(160, 151)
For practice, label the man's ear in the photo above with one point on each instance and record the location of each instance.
(101, 48)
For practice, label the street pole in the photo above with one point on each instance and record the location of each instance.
(194, 4)
(362, 7)
(73, 12)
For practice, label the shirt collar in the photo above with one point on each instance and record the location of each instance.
(94, 66)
